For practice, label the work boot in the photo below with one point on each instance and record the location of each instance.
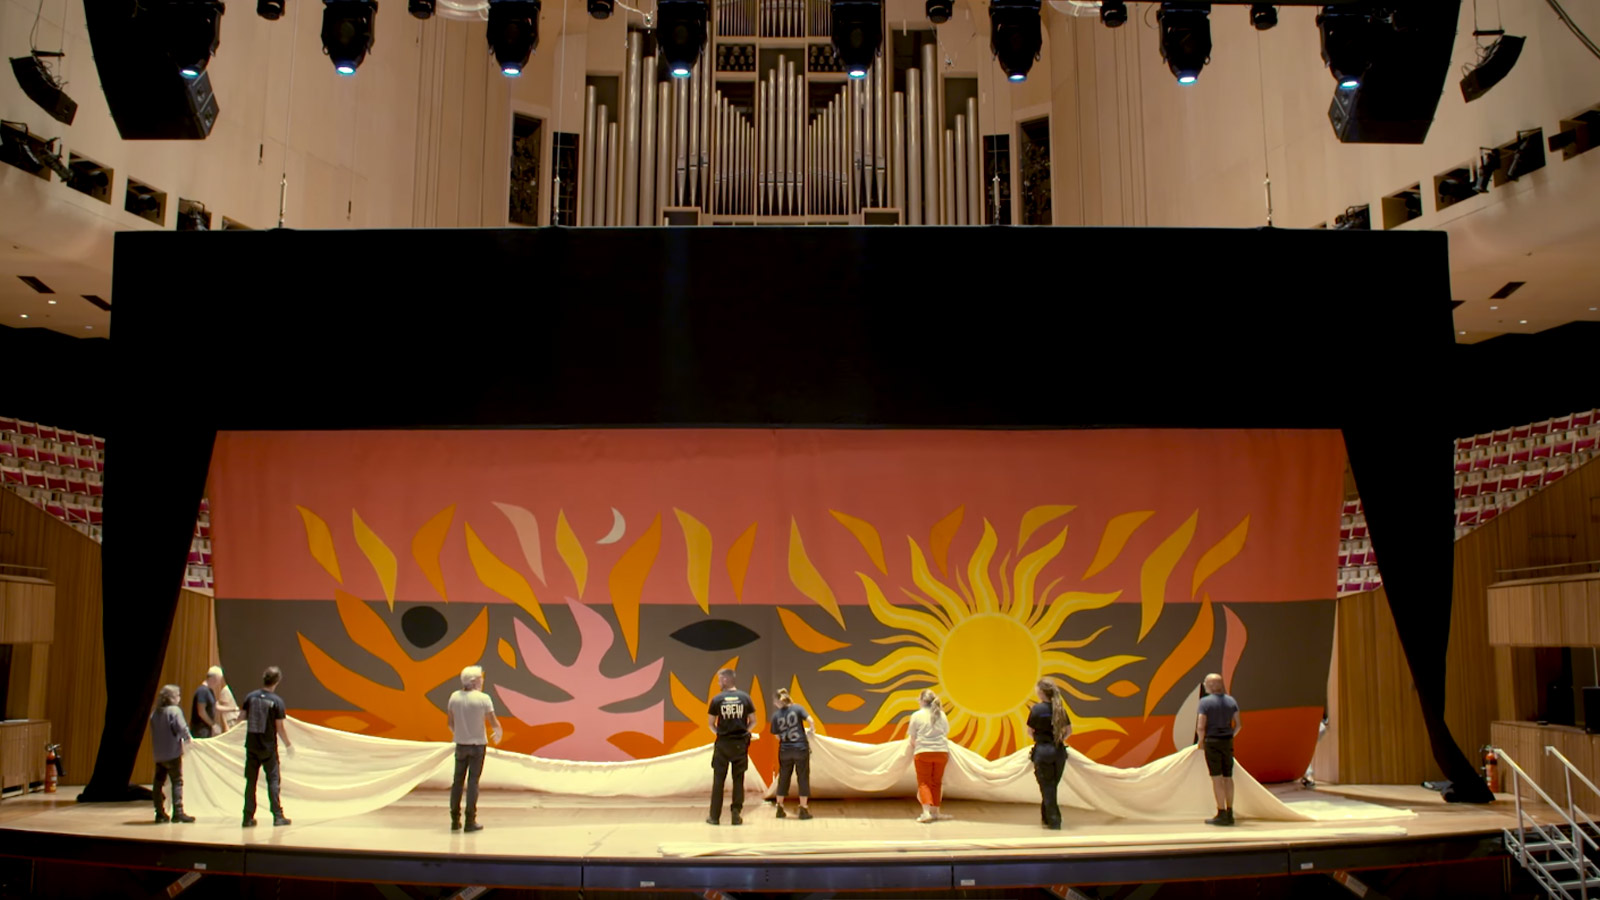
(280, 820)
(178, 815)
(472, 825)
(782, 814)
(805, 812)
(162, 817)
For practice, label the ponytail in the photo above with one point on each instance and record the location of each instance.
(1060, 718)
(930, 702)
(782, 697)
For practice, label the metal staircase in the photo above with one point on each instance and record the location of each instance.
(1556, 854)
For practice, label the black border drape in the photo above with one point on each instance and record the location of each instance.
(772, 327)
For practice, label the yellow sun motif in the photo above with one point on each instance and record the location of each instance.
(983, 647)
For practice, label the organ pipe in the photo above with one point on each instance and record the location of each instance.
(591, 141)
(630, 133)
(647, 214)
(933, 208)
(913, 126)
(958, 174)
(974, 166)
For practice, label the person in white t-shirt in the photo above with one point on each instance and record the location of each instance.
(931, 751)
(471, 713)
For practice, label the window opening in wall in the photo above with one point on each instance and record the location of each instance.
(193, 215)
(1402, 206)
(527, 134)
(89, 177)
(145, 201)
(997, 179)
(564, 178)
(1033, 164)
(1454, 186)
(1578, 134)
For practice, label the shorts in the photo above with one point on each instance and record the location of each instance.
(1219, 757)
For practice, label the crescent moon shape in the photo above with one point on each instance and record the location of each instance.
(618, 526)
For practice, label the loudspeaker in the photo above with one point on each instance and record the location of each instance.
(43, 90)
(1591, 710)
(1558, 704)
(1399, 94)
(149, 100)
(1496, 66)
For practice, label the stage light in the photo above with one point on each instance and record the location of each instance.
(1263, 16)
(1015, 36)
(601, 9)
(42, 86)
(1526, 156)
(1458, 186)
(191, 31)
(939, 11)
(421, 9)
(1355, 218)
(347, 32)
(1113, 13)
(1185, 38)
(271, 10)
(1488, 164)
(513, 33)
(1493, 65)
(1349, 38)
(857, 33)
(680, 34)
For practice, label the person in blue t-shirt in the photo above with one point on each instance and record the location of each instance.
(792, 729)
(731, 714)
(1215, 726)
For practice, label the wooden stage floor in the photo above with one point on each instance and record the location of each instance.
(536, 841)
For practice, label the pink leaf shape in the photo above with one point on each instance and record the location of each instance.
(1232, 646)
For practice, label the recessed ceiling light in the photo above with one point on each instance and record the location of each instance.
(1461, 332)
(1592, 309)
(1494, 307)
(51, 302)
(88, 328)
(24, 315)
(1522, 321)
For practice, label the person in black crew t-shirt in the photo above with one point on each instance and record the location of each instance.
(791, 727)
(1051, 725)
(263, 713)
(730, 714)
(1216, 724)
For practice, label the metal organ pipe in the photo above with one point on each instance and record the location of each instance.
(680, 143)
(614, 175)
(647, 214)
(897, 153)
(944, 183)
(933, 209)
(958, 174)
(974, 166)
(664, 149)
(630, 133)
(913, 126)
(880, 144)
(591, 141)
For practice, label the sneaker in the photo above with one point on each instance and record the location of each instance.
(925, 818)
(279, 820)
(1055, 827)
(805, 813)
(455, 824)
(248, 823)
(736, 820)
(162, 818)
(1230, 817)
(712, 820)
(181, 816)
(472, 826)
(782, 814)
(1221, 818)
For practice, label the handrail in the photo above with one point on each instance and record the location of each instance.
(1573, 811)
(1572, 852)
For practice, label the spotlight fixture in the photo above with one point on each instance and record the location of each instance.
(1493, 65)
(347, 32)
(191, 31)
(29, 152)
(1015, 36)
(857, 34)
(42, 87)
(1456, 186)
(1263, 16)
(513, 33)
(421, 9)
(1488, 164)
(602, 9)
(1185, 38)
(192, 216)
(1349, 36)
(681, 34)
(1526, 156)
(1113, 13)
(271, 10)
(88, 177)
(939, 11)
(1355, 218)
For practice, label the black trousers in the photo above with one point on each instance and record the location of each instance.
(254, 762)
(469, 766)
(729, 754)
(797, 763)
(169, 770)
(1049, 761)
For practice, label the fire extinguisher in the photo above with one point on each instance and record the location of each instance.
(1491, 770)
(52, 767)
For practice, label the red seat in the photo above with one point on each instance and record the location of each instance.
(33, 478)
(1490, 485)
(96, 515)
(1539, 428)
(205, 557)
(77, 514)
(1541, 452)
(1579, 420)
(99, 443)
(1584, 444)
(1467, 517)
(1481, 440)
(96, 489)
(1487, 514)
(8, 424)
(47, 432)
(1479, 463)
(48, 457)
(1464, 443)
(1564, 447)
(1551, 475)
(7, 448)
(77, 485)
(1521, 432)
(204, 529)
(11, 476)
(194, 557)
(55, 508)
(1500, 458)
(31, 429)
(1521, 455)
(1561, 424)
(55, 482)
(1463, 465)
(28, 451)
(85, 440)
(1469, 489)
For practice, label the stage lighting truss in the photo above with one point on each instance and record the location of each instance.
(939, 11)
(857, 33)
(348, 32)
(191, 31)
(513, 33)
(1015, 36)
(1185, 38)
(680, 34)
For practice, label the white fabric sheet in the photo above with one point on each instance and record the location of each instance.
(335, 774)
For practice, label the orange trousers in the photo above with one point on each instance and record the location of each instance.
(930, 777)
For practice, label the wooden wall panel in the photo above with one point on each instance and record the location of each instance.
(74, 692)
(1525, 743)
(27, 610)
(22, 752)
(1379, 729)
(1562, 611)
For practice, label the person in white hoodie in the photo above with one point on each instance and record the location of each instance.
(931, 751)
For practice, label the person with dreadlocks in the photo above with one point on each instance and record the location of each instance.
(1051, 725)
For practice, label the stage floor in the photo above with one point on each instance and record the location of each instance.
(541, 841)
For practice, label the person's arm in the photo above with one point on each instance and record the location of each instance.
(1200, 727)
(494, 723)
(283, 733)
(180, 730)
(1236, 723)
(205, 714)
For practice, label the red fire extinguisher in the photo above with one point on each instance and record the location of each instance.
(52, 767)
(1491, 770)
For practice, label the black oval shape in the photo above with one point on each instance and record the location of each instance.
(424, 626)
(715, 634)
